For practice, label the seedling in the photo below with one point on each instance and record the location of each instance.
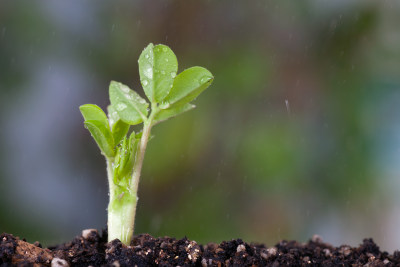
(169, 95)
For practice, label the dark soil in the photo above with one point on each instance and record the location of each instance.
(92, 249)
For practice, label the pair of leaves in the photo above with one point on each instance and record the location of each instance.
(157, 68)
(106, 134)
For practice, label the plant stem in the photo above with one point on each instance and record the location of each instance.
(123, 201)
(137, 168)
(110, 162)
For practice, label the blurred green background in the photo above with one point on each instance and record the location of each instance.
(298, 135)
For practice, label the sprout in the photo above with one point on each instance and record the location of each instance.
(169, 95)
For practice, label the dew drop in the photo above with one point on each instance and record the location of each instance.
(173, 74)
(145, 82)
(164, 105)
(163, 72)
(166, 60)
(146, 56)
(121, 106)
(125, 89)
(204, 79)
(164, 49)
(128, 96)
(149, 72)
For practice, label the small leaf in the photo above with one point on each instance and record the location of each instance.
(188, 85)
(118, 128)
(92, 112)
(119, 158)
(172, 111)
(131, 108)
(125, 158)
(157, 68)
(131, 157)
(102, 136)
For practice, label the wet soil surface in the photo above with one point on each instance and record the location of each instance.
(92, 249)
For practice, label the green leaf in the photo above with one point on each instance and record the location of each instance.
(133, 145)
(172, 111)
(131, 108)
(125, 158)
(188, 85)
(157, 68)
(118, 128)
(102, 135)
(92, 112)
(120, 159)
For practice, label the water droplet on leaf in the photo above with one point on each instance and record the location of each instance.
(173, 74)
(125, 89)
(145, 82)
(149, 72)
(205, 79)
(164, 105)
(120, 106)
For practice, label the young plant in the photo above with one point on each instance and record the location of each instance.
(169, 95)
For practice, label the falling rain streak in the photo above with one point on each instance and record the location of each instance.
(287, 106)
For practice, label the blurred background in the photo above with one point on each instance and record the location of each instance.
(298, 135)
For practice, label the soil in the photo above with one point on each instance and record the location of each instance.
(92, 249)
